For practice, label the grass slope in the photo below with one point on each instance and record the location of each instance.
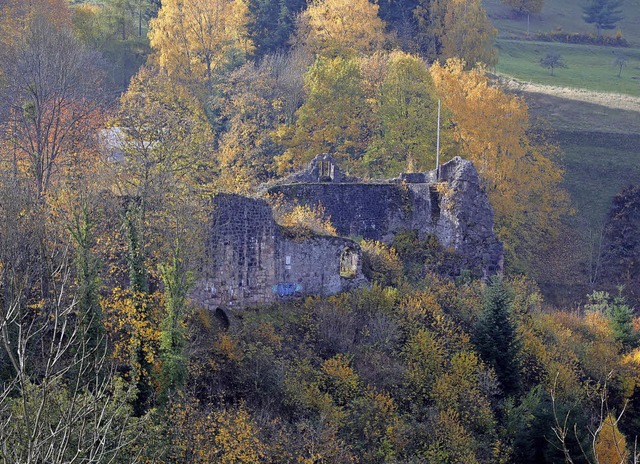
(561, 15)
(599, 136)
(588, 67)
(601, 156)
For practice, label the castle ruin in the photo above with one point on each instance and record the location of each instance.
(251, 260)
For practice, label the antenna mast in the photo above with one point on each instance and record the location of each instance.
(438, 145)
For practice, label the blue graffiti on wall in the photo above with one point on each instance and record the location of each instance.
(286, 289)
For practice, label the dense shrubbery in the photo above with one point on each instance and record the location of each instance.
(405, 375)
(581, 38)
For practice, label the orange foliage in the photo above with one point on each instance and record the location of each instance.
(15, 15)
(611, 444)
(228, 348)
(491, 128)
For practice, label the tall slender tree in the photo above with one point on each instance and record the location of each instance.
(495, 336)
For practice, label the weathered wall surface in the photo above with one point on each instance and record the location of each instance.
(250, 262)
(366, 210)
(455, 209)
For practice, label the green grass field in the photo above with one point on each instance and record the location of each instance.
(588, 67)
(561, 15)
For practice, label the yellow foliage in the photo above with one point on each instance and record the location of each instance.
(381, 262)
(341, 27)
(227, 436)
(468, 33)
(341, 380)
(425, 359)
(302, 221)
(458, 390)
(455, 442)
(236, 439)
(333, 119)
(611, 444)
(133, 323)
(193, 38)
(491, 128)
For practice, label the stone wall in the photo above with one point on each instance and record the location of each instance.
(455, 209)
(249, 261)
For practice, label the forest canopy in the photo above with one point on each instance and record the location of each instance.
(121, 119)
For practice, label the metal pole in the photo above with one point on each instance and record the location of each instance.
(438, 145)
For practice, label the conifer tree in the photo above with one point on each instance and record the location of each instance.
(604, 14)
(496, 339)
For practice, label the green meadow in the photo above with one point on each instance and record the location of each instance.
(588, 66)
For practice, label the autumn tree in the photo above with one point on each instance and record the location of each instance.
(55, 107)
(455, 29)
(195, 39)
(407, 113)
(611, 444)
(332, 119)
(468, 33)
(340, 27)
(253, 102)
(59, 398)
(165, 139)
(51, 109)
(17, 15)
(62, 402)
(492, 129)
(525, 7)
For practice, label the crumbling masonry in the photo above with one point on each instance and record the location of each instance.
(251, 260)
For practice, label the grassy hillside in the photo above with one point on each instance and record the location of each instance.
(560, 15)
(601, 156)
(589, 67)
(598, 133)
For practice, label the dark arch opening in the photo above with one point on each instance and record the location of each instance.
(222, 318)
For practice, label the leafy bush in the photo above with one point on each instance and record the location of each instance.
(302, 221)
(582, 39)
(380, 263)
